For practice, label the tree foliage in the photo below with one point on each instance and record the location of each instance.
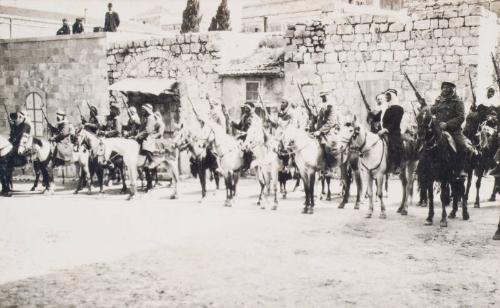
(221, 20)
(190, 19)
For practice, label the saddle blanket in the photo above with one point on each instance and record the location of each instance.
(64, 151)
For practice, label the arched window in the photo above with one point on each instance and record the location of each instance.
(34, 105)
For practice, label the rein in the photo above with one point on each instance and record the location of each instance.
(364, 151)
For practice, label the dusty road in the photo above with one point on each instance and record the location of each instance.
(101, 251)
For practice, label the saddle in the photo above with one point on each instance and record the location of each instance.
(64, 150)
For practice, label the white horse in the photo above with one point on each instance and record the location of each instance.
(266, 161)
(229, 157)
(372, 159)
(127, 148)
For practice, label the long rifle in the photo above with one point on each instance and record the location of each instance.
(308, 108)
(497, 70)
(194, 109)
(80, 111)
(420, 99)
(263, 107)
(474, 99)
(364, 98)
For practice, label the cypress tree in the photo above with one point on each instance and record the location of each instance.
(190, 19)
(221, 21)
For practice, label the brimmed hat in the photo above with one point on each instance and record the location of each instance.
(61, 113)
(22, 113)
(393, 91)
(447, 83)
(148, 108)
(324, 93)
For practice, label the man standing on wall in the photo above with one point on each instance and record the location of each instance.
(111, 20)
(64, 30)
(78, 26)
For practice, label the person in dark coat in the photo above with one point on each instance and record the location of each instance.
(111, 20)
(19, 128)
(64, 30)
(113, 127)
(92, 125)
(391, 126)
(247, 112)
(133, 125)
(325, 128)
(78, 26)
(449, 112)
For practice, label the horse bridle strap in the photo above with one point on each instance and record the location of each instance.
(379, 163)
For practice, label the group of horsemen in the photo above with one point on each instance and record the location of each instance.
(147, 130)
(387, 118)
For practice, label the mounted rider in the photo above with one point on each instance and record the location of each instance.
(19, 127)
(159, 130)
(374, 117)
(92, 125)
(247, 113)
(391, 126)
(325, 129)
(145, 136)
(494, 100)
(216, 113)
(449, 112)
(484, 112)
(61, 134)
(133, 125)
(113, 126)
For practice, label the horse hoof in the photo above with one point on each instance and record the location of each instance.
(400, 209)
(443, 224)
(383, 215)
(356, 206)
(33, 188)
(75, 192)
(496, 237)
(341, 206)
(258, 203)
(465, 216)
(492, 198)
(428, 222)
(321, 197)
(404, 212)
(329, 198)
(284, 196)
(131, 197)
(452, 215)
(304, 210)
(274, 208)
(201, 200)
(310, 211)
(476, 205)
(263, 207)
(369, 215)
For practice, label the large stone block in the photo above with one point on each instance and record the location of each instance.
(318, 57)
(443, 23)
(473, 20)
(456, 22)
(362, 28)
(422, 24)
(387, 55)
(470, 41)
(345, 29)
(449, 32)
(401, 55)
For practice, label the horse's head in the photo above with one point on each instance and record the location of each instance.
(25, 144)
(348, 130)
(426, 128)
(486, 135)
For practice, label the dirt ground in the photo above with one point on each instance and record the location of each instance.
(101, 251)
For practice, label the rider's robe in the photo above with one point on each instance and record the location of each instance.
(146, 133)
(61, 136)
(392, 122)
(92, 125)
(113, 127)
(17, 132)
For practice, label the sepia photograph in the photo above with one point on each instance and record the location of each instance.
(250, 153)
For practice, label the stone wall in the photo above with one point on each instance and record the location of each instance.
(434, 43)
(63, 71)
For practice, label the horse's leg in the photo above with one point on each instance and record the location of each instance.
(470, 173)
(202, 175)
(329, 193)
(496, 189)
(444, 222)
(305, 181)
(36, 169)
(428, 189)
(386, 185)
(80, 174)
(461, 192)
(312, 182)
(478, 187)
(403, 208)
(380, 194)
(100, 177)
(132, 169)
(121, 170)
(262, 185)
(227, 181)
(322, 180)
(175, 179)
(497, 234)
(455, 197)
(410, 173)
(274, 184)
